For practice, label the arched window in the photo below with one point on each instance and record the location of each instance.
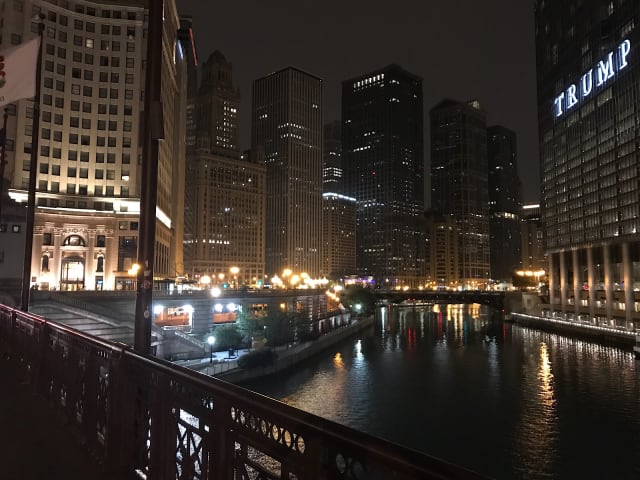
(45, 263)
(100, 266)
(74, 241)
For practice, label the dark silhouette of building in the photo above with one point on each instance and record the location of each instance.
(505, 202)
(382, 151)
(459, 183)
(532, 235)
(588, 69)
(287, 125)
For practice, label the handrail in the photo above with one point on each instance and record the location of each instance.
(144, 417)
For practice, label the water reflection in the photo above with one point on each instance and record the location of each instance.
(454, 382)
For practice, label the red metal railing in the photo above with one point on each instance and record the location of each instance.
(147, 418)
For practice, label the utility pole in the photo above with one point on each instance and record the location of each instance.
(33, 173)
(153, 133)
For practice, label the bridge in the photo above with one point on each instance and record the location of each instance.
(491, 299)
(143, 417)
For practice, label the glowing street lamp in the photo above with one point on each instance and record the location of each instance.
(234, 271)
(211, 340)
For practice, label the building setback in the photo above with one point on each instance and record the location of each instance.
(287, 127)
(459, 183)
(332, 162)
(588, 69)
(88, 159)
(383, 162)
(225, 192)
(505, 202)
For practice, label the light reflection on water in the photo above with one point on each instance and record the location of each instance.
(506, 401)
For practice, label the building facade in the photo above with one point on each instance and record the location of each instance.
(459, 183)
(225, 193)
(287, 128)
(588, 68)
(339, 235)
(332, 158)
(383, 162)
(505, 203)
(442, 248)
(532, 236)
(89, 147)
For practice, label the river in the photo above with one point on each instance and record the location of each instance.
(456, 382)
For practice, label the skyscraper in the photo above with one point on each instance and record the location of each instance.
(588, 68)
(88, 165)
(225, 192)
(459, 178)
(505, 202)
(332, 163)
(287, 127)
(382, 157)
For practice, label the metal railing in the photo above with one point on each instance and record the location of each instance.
(143, 417)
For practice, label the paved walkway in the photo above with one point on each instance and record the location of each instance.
(34, 443)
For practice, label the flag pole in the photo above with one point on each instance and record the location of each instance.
(149, 184)
(33, 171)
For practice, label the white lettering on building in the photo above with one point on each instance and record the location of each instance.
(605, 71)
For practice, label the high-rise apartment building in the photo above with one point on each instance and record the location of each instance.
(588, 68)
(443, 270)
(225, 192)
(382, 152)
(505, 202)
(332, 162)
(287, 127)
(459, 183)
(339, 235)
(532, 236)
(89, 147)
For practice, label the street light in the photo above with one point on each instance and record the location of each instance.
(211, 340)
(234, 271)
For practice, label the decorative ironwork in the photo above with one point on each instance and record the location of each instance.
(146, 418)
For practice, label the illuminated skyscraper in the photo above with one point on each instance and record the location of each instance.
(588, 67)
(224, 189)
(332, 165)
(382, 157)
(287, 127)
(89, 152)
(459, 178)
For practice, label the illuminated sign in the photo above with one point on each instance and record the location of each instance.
(605, 69)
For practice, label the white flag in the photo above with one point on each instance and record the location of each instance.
(18, 71)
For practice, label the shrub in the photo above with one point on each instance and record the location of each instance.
(257, 358)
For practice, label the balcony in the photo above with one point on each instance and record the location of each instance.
(146, 418)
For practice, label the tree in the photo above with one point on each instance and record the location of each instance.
(227, 336)
(356, 295)
(279, 329)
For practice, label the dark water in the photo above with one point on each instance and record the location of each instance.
(500, 399)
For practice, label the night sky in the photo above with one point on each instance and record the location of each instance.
(463, 49)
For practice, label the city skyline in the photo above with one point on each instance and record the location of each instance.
(449, 46)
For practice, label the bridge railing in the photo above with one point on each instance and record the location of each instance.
(146, 418)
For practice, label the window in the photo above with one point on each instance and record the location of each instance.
(44, 168)
(71, 188)
(86, 123)
(45, 263)
(84, 156)
(111, 174)
(57, 119)
(75, 106)
(84, 172)
(82, 190)
(99, 157)
(99, 174)
(88, 43)
(57, 152)
(55, 170)
(84, 139)
(73, 138)
(86, 107)
(55, 188)
(86, 91)
(88, 75)
(74, 122)
(97, 190)
(101, 241)
(42, 185)
(73, 155)
(100, 264)
(74, 241)
(71, 171)
(59, 102)
(47, 238)
(75, 89)
(44, 150)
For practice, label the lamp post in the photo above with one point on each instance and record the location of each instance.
(211, 340)
(234, 271)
